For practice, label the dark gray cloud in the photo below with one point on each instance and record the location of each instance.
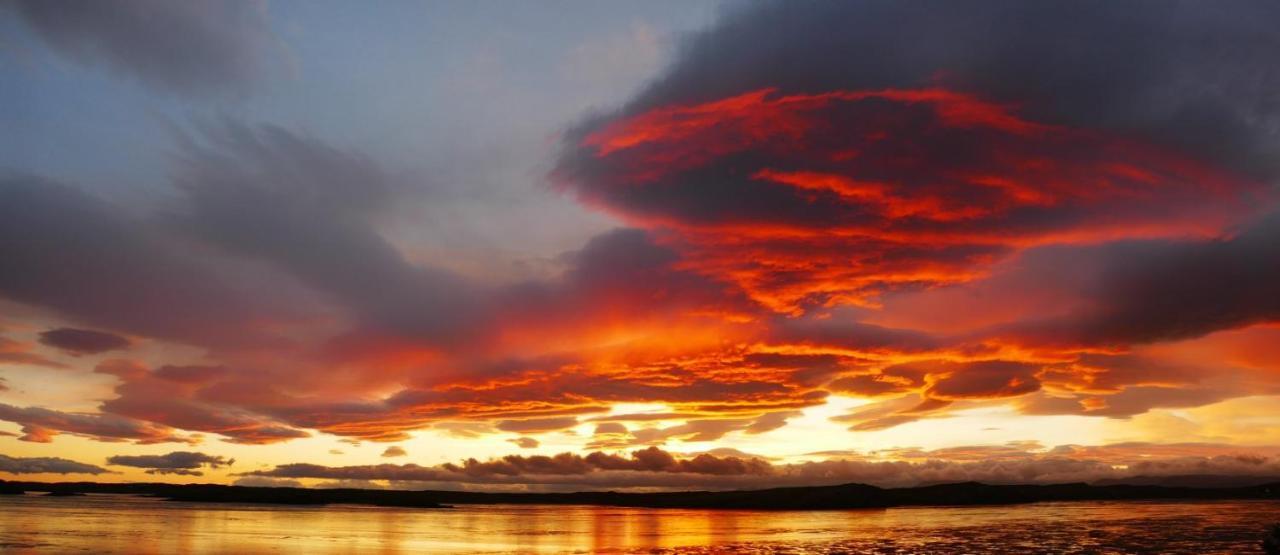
(183, 463)
(83, 342)
(1187, 73)
(199, 49)
(40, 465)
(1168, 290)
(94, 262)
(310, 210)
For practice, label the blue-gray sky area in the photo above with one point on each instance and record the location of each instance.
(464, 100)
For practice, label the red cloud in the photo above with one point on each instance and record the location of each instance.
(40, 425)
(809, 200)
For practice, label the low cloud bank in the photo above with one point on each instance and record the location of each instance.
(42, 465)
(654, 468)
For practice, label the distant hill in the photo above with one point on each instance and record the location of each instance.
(848, 496)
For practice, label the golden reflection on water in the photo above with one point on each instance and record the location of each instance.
(124, 524)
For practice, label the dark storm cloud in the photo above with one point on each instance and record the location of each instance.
(40, 465)
(1199, 75)
(1162, 291)
(183, 463)
(83, 342)
(1187, 74)
(192, 48)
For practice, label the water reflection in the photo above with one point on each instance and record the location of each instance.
(123, 524)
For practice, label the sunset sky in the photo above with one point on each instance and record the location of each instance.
(566, 245)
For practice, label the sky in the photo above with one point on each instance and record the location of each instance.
(564, 245)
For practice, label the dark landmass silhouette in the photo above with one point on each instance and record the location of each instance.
(848, 496)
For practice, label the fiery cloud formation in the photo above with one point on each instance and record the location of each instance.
(839, 220)
(807, 201)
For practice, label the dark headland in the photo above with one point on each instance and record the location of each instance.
(848, 496)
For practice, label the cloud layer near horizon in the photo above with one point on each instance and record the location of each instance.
(652, 468)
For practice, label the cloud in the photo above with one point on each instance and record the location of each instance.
(1220, 284)
(191, 398)
(1141, 74)
(265, 482)
(84, 258)
(892, 412)
(183, 463)
(832, 163)
(919, 187)
(651, 459)
(197, 50)
(17, 352)
(525, 442)
(394, 451)
(1018, 462)
(41, 465)
(312, 217)
(464, 430)
(40, 425)
(83, 342)
(537, 425)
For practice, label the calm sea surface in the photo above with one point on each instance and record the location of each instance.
(124, 524)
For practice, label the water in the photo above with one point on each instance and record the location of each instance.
(125, 524)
